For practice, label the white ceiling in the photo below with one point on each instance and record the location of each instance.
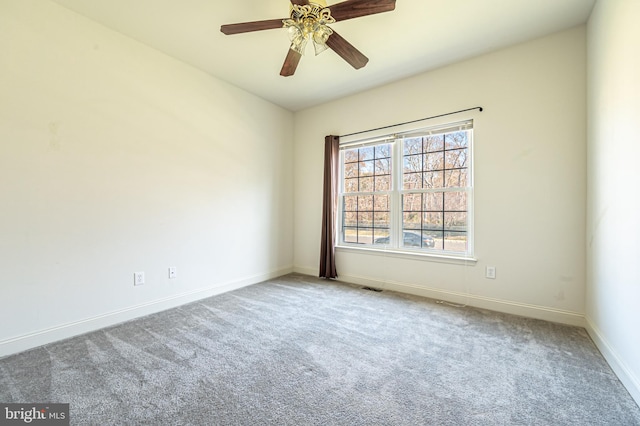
(419, 35)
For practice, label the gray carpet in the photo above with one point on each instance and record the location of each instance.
(302, 351)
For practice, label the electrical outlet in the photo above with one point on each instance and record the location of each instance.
(138, 278)
(491, 272)
(173, 272)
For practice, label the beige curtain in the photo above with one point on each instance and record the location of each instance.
(329, 207)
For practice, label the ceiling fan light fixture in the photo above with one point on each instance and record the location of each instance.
(298, 39)
(320, 37)
(309, 22)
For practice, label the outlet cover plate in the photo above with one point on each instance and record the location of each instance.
(138, 278)
(491, 272)
(173, 272)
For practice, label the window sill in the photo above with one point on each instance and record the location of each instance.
(413, 255)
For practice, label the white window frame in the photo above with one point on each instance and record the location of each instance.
(396, 192)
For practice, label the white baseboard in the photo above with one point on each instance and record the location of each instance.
(624, 373)
(498, 305)
(46, 336)
(306, 271)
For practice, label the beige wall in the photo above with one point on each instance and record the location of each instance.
(613, 231)
(530, 175)
(114, 159)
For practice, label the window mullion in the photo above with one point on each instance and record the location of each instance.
(396, 209)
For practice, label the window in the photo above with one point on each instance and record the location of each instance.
(410, 193)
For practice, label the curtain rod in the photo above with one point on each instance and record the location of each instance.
(413, 121)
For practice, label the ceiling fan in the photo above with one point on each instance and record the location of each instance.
(308, 20)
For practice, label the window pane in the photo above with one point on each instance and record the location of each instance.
(383, 183)
(433, 201)
(383, 166)
(457, 178)
(365, 220)
(412, 180)
(351, 170)
(351, 185)
(351, 156)
(381, 236)
(365, 236)
(434, 161)
(456, 159)
(455, 241)
(350, 203)
(366, 153)
(412, 163)
(365, 203)
(455, 201)
(433, 179)
(412, 146)
(412, 202)
(416, 239)
(411, 220)
(383, 151)
(433, 143)
(455, 222)
(366, 184)
(437, 238)
(381, 203)
(350, 219)
(410, 239)
(381, 220)
(350, 235)
(432, 221)
(366, 168)
(457, 140)
(428, 241)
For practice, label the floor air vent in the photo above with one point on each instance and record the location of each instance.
(377, 290)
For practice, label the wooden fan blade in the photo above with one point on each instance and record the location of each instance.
(290, 63)
(356, 8)
(300, 2)
(346, 51)
(246, 27)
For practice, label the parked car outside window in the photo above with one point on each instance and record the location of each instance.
(410, 239)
